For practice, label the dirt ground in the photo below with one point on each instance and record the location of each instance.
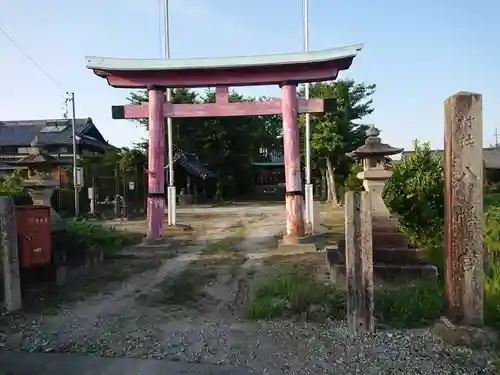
(184, 302)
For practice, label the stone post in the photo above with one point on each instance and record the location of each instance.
(463, 233)
(156, 165)
(359, 261)
(9, 256)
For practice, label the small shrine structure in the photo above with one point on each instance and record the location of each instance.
(285, 70)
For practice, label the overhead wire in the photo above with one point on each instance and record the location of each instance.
(27, 55)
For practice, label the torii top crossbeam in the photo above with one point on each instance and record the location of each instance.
(275, 69)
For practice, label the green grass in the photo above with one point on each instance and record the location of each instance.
(289, 291)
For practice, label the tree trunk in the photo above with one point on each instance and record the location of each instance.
(324, 192)
(332, 193)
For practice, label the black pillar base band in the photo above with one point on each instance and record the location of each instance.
(294, 193)
(152, 195)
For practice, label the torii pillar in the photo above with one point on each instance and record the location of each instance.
(295, 228)
(156, 162)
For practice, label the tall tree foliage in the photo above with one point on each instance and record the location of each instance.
(335, 134)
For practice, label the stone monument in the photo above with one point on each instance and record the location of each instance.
(40, 182)
(392, 256)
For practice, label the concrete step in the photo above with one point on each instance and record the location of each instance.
(384, 240)
(388, 255)
(388, 267)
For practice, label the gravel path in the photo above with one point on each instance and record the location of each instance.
(120, 325)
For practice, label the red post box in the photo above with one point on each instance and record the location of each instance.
(34, 235)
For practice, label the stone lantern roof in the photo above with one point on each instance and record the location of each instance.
(38, 156)
(373, 146)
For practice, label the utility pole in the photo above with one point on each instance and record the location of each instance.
(75, 166)
(171, 193)
(496, 134)
(309, 202)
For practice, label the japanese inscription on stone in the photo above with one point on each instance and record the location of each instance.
(464, 208)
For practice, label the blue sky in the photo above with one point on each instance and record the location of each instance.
(417, 52)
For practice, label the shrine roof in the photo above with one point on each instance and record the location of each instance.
(192, 164)
(122, 64)
(51, 132)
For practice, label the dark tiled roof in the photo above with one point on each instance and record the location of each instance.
(192, 164)
(49, 132)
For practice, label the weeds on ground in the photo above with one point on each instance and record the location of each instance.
(289, 291)
(416, 304)
(187, 288)
(227, 245)
(80, 236)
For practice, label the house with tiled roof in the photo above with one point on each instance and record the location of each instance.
(55, 135)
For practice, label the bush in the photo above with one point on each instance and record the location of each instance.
(12, 186)
(415, 195)
(80, 236)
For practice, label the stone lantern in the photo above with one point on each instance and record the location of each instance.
(375, 172)
(393, 258)
(40, 182)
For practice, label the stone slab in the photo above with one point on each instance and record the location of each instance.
(143, 246)
(291, 249)
(177, 228)
(308, 239)
(474, 337)
(160, 241)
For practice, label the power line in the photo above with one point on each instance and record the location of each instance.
(31, 59)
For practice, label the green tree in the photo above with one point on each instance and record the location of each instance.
(335, 134)
(132, 160)
(227, 144)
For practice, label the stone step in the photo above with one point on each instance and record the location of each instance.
(383, 241)
(396, 256)
(388, 272)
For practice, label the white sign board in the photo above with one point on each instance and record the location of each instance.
(79, 176)
(131, 185)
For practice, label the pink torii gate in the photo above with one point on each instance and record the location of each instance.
(285, 70)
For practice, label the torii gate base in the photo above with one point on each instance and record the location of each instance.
(156, 184)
